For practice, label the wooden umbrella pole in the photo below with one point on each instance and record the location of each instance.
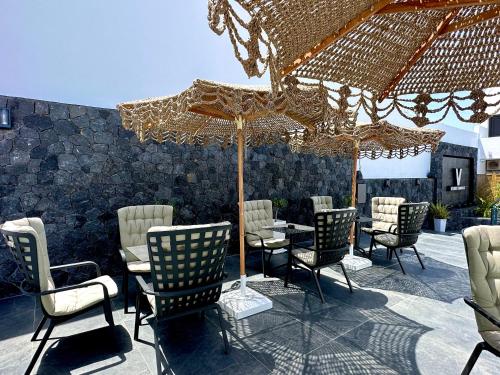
(241, 150)
(355, 156)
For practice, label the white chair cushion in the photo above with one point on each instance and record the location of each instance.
(272, 243)
(135, 221)
(258, 214)
(71, 301)
(139, 267)
(387, 239)
(492, 338)
(322, 202)
(309, 257)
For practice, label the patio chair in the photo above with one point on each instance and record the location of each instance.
(410, 218)
(259, 214)
(482, 247)
(134, 222)
(384, 214)
(322, 202)
(332, 229)
(187, 274)
(27, 242)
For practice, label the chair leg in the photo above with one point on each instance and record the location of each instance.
(40, 348)
(473, 358)
(224, 335)
(125, 289)
(372, 243)
(418, 256)
(157, 348)
(394, 251)
(318, 286)
(137, 315)
(264, 262)
(108, 312)
(269, 259)
(39, 328)
(288, 274)
(346, 277)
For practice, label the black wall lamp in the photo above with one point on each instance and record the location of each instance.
(5, 118)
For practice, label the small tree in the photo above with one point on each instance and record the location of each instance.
(277, 204)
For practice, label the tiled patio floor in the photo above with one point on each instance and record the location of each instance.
(391, 324)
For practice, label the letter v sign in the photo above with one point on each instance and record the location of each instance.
(458, 175)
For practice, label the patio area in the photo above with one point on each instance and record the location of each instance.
(391, 324)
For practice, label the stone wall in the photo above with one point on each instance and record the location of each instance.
(74, 166)
(413, 189)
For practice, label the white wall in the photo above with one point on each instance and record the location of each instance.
(419, 166)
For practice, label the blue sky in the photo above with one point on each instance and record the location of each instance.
(101, 52)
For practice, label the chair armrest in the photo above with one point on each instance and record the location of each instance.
(178, 293)
(144, 286)
(395, 229)
(79, 264)
(482, 311)
(122, 255)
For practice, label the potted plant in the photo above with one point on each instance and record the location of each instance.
(440, 214)
(277, 204)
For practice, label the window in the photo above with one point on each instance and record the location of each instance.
(494, 127)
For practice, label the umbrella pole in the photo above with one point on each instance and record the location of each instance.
(355, 155)
(241, 150)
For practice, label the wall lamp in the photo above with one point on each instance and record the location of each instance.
(5, 118)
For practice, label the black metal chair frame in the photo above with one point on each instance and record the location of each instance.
(407, 239)
(340, 251)
(125, 276)
(152, 288)
(266, 263)
(16, 242)
(482, 345)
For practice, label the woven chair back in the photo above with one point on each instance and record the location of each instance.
(186, 259)
(411, 217)
(332, 229)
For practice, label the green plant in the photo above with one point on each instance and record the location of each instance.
(277, 204)
(486, 197)
(439, 211)
(347, 201)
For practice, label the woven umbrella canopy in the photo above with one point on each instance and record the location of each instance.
(420, 58)
(210, 112)
(370, 141)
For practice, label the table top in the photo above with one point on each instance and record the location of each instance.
(140, 251)
(283, 228)
(364, 219)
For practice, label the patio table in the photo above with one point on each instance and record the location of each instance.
(290, 232)
(140, 251)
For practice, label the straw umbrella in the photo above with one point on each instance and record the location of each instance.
(210, 112)
(423, 58)
(369, 141)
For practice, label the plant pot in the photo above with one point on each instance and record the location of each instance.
(440, 225)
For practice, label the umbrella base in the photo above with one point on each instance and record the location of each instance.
(241, 306)
(355, 263)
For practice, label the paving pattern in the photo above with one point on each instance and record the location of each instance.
(392, 324)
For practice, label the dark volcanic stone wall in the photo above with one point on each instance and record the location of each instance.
(74, 166)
